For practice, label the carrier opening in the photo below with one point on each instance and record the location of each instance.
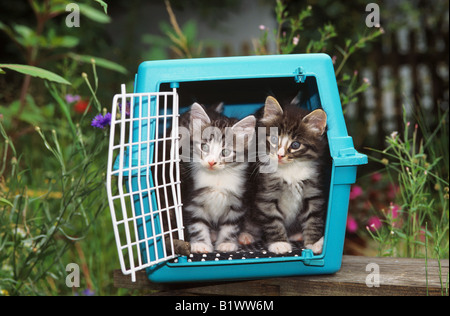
(243, 97)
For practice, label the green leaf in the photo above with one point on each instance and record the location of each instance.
(104, 5)
(25, 35)
(62, 106)
(94, 14)
(5, 202)
(190, 30)
(101, 62)
(65, 41)
(36, 72)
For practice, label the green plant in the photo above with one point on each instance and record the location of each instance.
(46, 210)
(182, 41)
(289, 38)
(46, 44)
(420, 166)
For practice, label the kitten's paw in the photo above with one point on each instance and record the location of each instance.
(201, 247)
(227, 247)
(296, 237)
(280, 247)
(317, 247)
(246, 239)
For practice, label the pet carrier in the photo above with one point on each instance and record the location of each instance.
(143, 176)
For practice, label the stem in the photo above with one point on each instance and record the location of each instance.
(32, 53)
(341, 65)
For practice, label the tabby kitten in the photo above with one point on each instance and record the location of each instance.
(215, 181)
(290, 201)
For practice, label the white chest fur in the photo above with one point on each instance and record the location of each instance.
(296, 171)
(222, 188)
(220, 180)
(292, 193)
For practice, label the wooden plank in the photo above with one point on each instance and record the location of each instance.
(397, 276)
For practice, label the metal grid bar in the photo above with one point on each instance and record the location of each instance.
(143, 178)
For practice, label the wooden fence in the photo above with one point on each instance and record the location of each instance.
(406, 69)
(414, 76)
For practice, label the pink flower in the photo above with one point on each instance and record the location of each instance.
(352, 225)
(374, 223)
(376, 177)
(393, 209)
(392, 191)
(394, 214)
(295, 40)
(355, 192)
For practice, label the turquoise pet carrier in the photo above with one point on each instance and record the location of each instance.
(143, 176)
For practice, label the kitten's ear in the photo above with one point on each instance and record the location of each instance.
(198, 113)
(198, 118)
(272, 108)
(316, 121)
(245, 127)
(219, 108)
(297, 100)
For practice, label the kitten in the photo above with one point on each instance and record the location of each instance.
(290, 202)
(215, 181)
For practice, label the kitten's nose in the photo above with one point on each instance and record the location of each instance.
(211, 163)
(281, 153)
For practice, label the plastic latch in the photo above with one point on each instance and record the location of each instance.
(310, 260)
(300, 77)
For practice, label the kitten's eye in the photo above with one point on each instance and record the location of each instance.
(274, 139)
(295, 145)
(205, 147)
(226, 152)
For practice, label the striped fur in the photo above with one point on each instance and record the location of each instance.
(214, 184)
(290, 202)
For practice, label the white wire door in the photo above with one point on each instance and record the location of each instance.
(143, 178)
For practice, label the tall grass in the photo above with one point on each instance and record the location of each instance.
(417, 159)
(48, 209)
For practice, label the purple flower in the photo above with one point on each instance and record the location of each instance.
(88, 292)
(101, 121)
(72, 98)
(127, 108)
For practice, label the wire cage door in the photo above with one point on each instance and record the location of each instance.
(143, 178)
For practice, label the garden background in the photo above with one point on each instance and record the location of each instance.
(57, 83)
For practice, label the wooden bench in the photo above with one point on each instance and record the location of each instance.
(397, 276)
